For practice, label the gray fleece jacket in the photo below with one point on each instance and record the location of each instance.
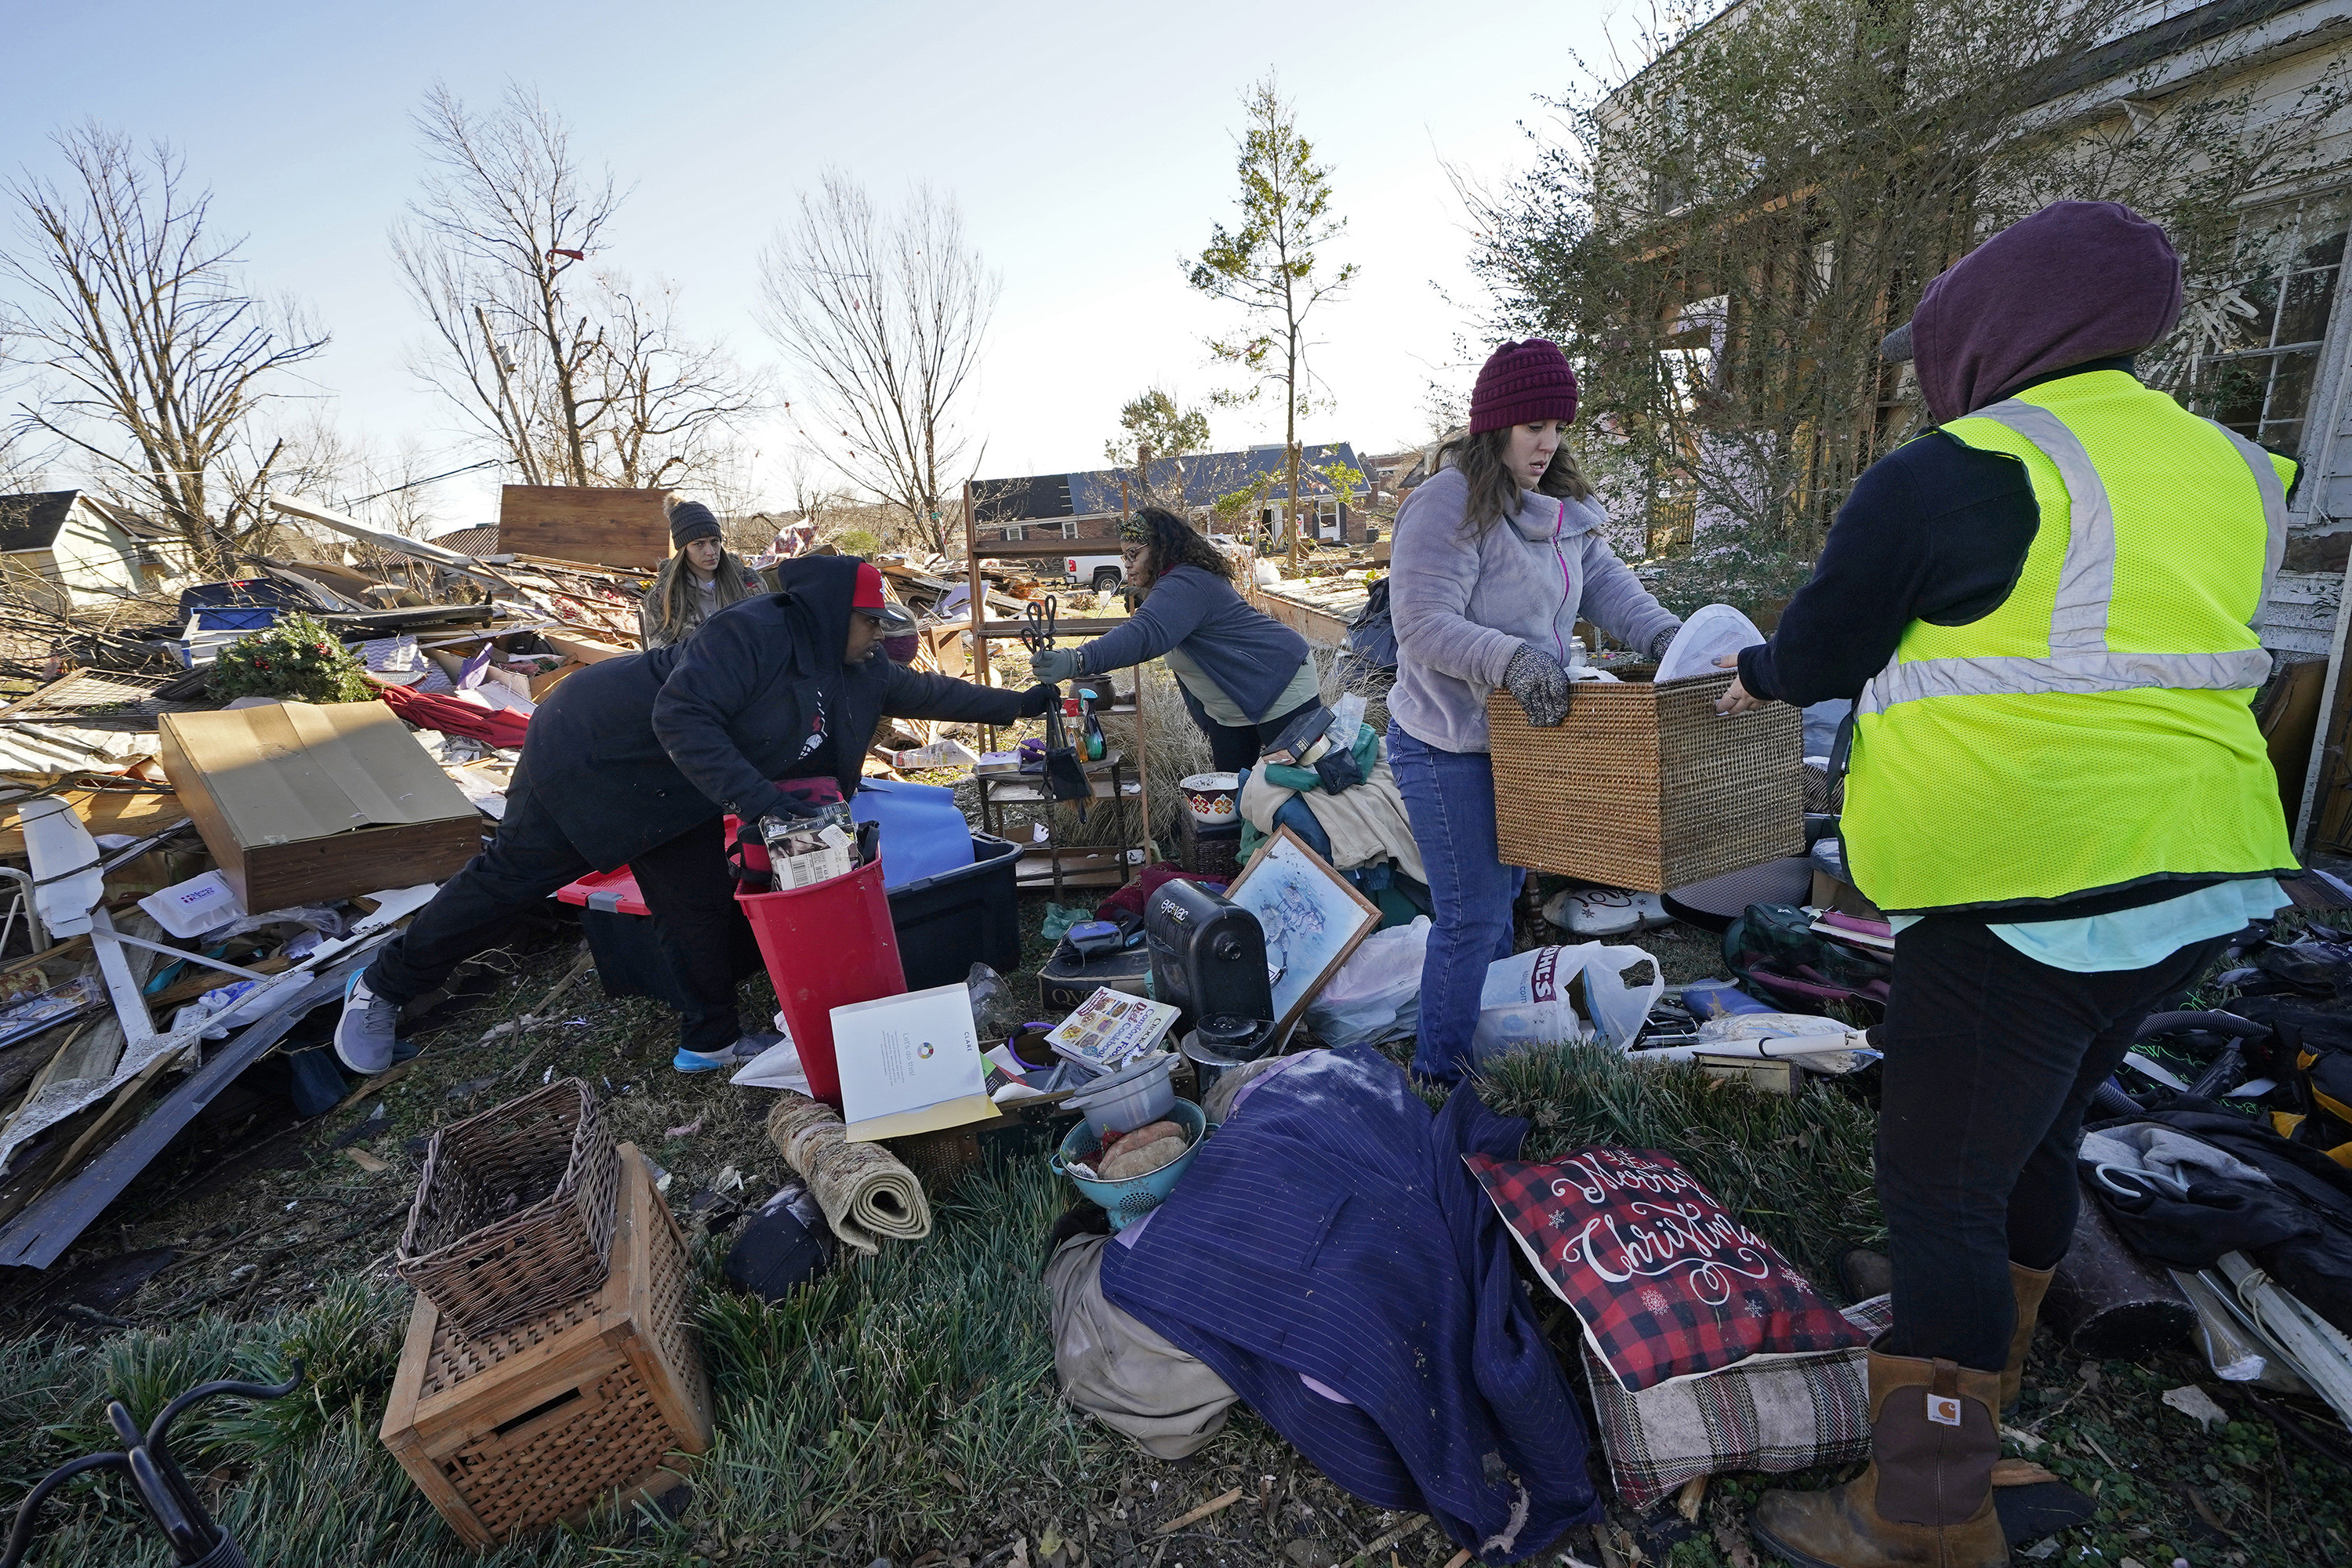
(1463, 607)
(1248, 654)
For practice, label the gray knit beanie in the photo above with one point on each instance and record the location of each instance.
(688, 521)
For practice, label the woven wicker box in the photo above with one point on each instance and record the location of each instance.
(514, 1212)
(941, 1159)
(1645, 787)
(511, 1432)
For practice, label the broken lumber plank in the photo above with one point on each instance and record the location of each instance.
(51, 1222)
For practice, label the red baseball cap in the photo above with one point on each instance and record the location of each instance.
(870, 597)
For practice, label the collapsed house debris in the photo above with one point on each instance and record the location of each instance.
(1217, 1036)
(127, 784)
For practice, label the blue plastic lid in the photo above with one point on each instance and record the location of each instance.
(924, 833)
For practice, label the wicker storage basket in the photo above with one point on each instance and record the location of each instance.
(514, 1213)
(509, 1432)
(1643, 786)
(1208, 853)
(941, 1159)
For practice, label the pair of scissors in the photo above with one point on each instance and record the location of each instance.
(1043, 614)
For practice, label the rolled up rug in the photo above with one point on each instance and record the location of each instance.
(868, 1196)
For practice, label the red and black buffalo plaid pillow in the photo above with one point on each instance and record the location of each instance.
(1665, 1282)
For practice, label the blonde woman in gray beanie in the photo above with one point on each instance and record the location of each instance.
(701, 577)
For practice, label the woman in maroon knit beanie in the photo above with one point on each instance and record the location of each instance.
(1495, 556)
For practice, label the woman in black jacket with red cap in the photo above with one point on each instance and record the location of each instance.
(633, 761)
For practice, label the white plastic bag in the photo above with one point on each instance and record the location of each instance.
(778, 1067)
(1530, 998)
(1713, 631)
(1376, 995)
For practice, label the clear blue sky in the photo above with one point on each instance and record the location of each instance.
(1088, 145)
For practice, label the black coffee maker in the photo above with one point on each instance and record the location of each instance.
(1208, 955)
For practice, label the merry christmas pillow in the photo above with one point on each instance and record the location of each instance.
(1665, 1282)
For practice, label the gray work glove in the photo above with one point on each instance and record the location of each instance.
(1542, 687)
(1662, 641)
(1056, 664)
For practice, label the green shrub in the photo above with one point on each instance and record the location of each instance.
(296, 658)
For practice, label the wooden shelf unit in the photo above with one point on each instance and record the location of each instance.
(1123, 789)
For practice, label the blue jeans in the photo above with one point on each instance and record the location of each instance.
(1450, 798)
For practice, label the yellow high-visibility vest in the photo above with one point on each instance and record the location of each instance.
(2096, 731)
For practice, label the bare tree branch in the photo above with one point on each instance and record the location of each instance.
(153, 358)
(1267, 267)
(570, 372)
(883, 317)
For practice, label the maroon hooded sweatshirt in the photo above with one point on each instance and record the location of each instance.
(1936, 530)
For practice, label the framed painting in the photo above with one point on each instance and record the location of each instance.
(1313, 919)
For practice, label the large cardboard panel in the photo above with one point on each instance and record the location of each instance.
(301, 803)
(609, 527)
(587, 651)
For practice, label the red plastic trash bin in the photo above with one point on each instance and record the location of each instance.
(826, 947)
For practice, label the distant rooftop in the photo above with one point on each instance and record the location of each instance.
(1203, 479)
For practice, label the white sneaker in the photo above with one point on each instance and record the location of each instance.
(1595, 912)
(363, 1034)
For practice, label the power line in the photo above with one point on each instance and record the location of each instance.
(468, 468)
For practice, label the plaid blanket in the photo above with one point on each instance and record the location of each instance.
(1665, 1282)
(1768, 1412)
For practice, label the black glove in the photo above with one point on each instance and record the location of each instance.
(1662, 641)
(780, 802)
(1038, 699)
(1542, 687)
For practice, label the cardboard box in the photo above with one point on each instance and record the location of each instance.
(531, 687)
(303, 804)
(1829, 893)
(585, 650)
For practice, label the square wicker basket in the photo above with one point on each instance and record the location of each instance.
(1645, 787)
(514, 1212)
(509, 1432)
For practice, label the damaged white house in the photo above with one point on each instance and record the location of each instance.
(74, 548)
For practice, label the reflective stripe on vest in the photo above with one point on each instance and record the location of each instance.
(2079, 659)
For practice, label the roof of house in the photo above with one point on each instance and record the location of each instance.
(32, 521)
(480, 539)
(1203, 479)
(145, 529)
(1010, 500)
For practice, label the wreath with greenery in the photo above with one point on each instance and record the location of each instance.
(298, 659)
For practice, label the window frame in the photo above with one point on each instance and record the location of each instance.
(2321, 353)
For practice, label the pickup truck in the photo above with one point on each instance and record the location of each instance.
(1102, 573)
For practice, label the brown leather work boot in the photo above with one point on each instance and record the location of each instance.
(1926, 1501)
(2030, 1284)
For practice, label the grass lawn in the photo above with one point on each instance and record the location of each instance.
(905, 1406)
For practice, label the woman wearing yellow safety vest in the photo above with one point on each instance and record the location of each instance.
(2043, 612)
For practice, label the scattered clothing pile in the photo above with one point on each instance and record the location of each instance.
(1330, 1259)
